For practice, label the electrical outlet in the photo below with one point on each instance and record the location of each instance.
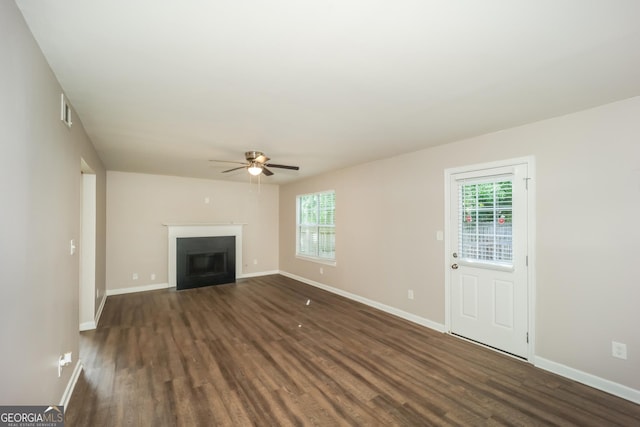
(619, 350)
(321, 270)
(410, 294)
(255, 262)
(153, 276)
(134, 276)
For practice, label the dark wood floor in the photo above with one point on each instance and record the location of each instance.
(255, 353)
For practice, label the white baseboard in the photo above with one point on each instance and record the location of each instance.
(156, 286)
(100, 308)
(88, 326)
(66, 396)
(93, 324)
(144, 288)
(375, 304)
(610, 387)
(258, 274)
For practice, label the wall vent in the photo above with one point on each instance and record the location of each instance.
(65, 111)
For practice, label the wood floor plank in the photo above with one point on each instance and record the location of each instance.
(273, 351)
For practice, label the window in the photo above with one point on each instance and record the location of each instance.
(315, 222)
(485, 222)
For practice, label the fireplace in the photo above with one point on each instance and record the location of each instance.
(206, 264)
(205, 261)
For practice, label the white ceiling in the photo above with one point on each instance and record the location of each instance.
(162, 86)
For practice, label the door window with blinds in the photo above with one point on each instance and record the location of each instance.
(316, 234)
(485, 219)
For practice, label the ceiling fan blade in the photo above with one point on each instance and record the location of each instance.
(234, 169)
(266, 171)
(227, 161)
(273, 165)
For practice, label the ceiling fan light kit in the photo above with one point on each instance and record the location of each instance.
(256, 163)
(255, 168)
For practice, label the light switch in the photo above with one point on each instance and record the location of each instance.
(72, 247)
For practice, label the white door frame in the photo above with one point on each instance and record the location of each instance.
(87, 291)
(531, 244)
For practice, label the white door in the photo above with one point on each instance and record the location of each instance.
(488, 259)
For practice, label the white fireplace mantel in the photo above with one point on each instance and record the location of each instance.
(177, 230)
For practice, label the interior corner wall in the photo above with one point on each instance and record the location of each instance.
(588, 197)
(40, 184)
(139, 204)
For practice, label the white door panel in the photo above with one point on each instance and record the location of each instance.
(503, 304)
(469, 296)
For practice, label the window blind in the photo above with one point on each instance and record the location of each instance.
(485, 219)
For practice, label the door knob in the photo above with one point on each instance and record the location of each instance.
(454, 266)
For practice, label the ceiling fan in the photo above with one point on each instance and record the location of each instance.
(256, 164)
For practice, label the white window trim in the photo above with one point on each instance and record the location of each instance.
(317, 260)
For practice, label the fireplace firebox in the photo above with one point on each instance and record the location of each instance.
(205, 261)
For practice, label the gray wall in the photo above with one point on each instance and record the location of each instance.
(588, 201)
(138, 205)
(40, 186)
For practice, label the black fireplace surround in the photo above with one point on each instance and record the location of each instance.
(205, 261)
